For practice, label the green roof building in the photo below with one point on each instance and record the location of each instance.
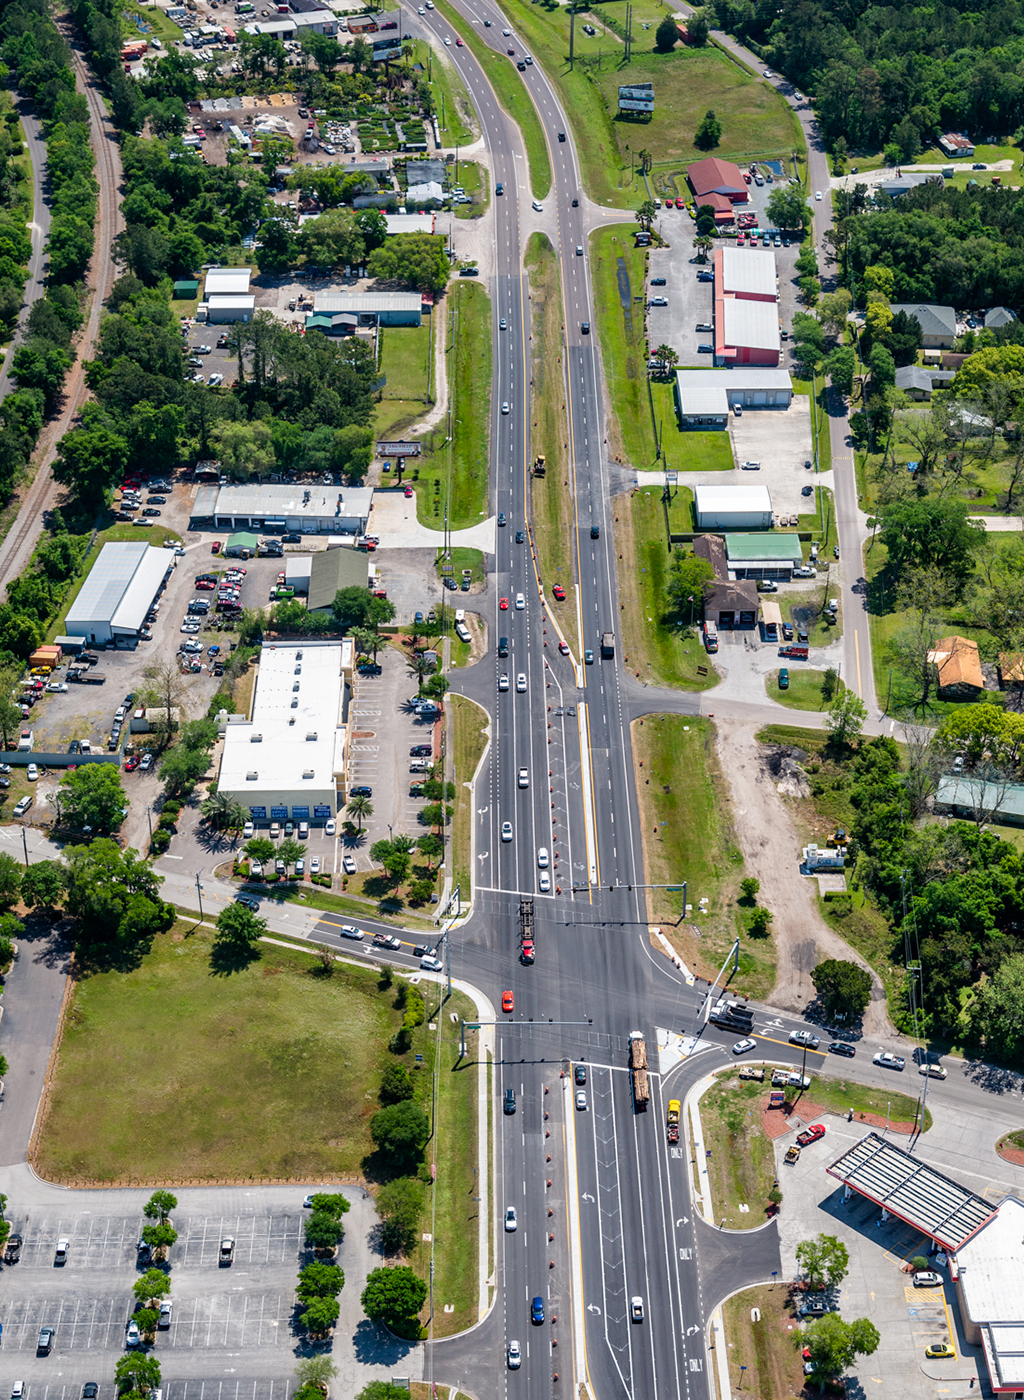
(185, 290)
(769, 555)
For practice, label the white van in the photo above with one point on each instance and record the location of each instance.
(538, 206)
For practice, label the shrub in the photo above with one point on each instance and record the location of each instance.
(160, 842)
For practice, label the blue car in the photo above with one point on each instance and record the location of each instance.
(537, 1310)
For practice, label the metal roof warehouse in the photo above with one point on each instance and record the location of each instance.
(118, 593)
(334, 510)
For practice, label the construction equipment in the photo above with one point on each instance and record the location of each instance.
(638, 1071)
(793, 1154)
(753, 1072)
(540, 465)
(527, 953)
(837, 838)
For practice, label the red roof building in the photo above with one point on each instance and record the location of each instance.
(714, 176)
(746, 307)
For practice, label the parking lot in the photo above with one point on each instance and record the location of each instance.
(220, 359)
(234, 1333)
(781, 441)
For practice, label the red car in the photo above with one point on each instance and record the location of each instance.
(215, 547)
(811, 1134)
(408, 489)
(559, 592)
(458, 43)
(503, 605)
(205, 586)
(669, 204)
(563, 647)
(506, 1001)
(132, 764)
(512, 53)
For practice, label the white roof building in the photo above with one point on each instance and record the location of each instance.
(319, 509)
(742, 507)
(118, 593)
(749, 273)
(990, 1289)
(751, 324)
(422, 194)
(285, 762)
(228, 281)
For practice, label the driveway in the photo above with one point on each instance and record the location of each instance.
(393, 518)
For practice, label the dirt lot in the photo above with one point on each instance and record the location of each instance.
(771, 851)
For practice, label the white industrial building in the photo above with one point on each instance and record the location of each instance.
(226, 296)
(285, 763)
(120, 590)
(227, 282)
(744, 507)
(368, 308)
(750, 386)
(309, 510)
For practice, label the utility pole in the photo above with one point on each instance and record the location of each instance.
(572, 34)
(24, 843)
(199, 892)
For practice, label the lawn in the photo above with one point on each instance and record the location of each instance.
(756, 121)
(552, 505)
(308, 1049)
(456, 474)
(154, 18)
(472, 559)
(406, 358)
(512, 95)
(840, 1095)
(764, 1356)
(741, 1161)
(804, 691)
(619, 270)
(476, 182)
(684, 798)
(660, 645)
(470, 724)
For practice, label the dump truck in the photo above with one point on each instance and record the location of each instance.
(673, 1120)
(607, 644)
(12, 1250)
(638, 1071)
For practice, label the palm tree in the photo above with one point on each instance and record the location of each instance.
(420, 667)
(703, 243)
(218, 809)
(403, 845)
(360, 807)
(366, 641)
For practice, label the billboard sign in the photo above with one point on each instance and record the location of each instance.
(387, 50)
(637, 99)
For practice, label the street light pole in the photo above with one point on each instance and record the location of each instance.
(199, 892)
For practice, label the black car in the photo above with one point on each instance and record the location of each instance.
(595, 532)
(803, 637)
(291, 539)
(247, 902)
(5, 783)
(90, 1390)
(787, 632)
(75, 746)
(575, 204)
(580, 1074)
(585, 328)
(501, 518)
(362, 791)
(503, 646)
(657, 281)
(45, 1340)
(151, 510)
(372, 668)
(129, 699)
(499, 188)
(840, 1047)
(157, 501)
(510, 1101)
(421, 751)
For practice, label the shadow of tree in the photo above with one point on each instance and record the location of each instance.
(228, 957)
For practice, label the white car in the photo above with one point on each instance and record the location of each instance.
(447, 43)
(544, 881)
(887, 1060)
(521, 682)
(421, 11)
(581, 1100)
(350, 931)
(503, 681)
(506, 831)
(524, 777)
(190, 627)
(742, 1046)
(817, 194)
(57, 687)
(506, 32)
(329, 827)
(215, 380)
(314, 866)
(520, 602)
(636, 1309)
(428, 963)
(256, 868)
(247, 831)
(511, 1223)
(542, 857)
(349, 865)
(132, 1335)
(33, 773)
(514, 1356)
(504, 407)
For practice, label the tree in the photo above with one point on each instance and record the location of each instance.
(159, 1237)
(114, 897)
(334, 1203)
(10, 880)
(353, 607)
(760, 922)
(360, 807)
(834, 1344)
(393, 1296)
(159, 1205)
(320, 1316)
(382, 1390)
(666, 35)
(825, 1260)
(91, 798)
(809, 340)
(646, 215)
(238, 927)
(833, 309)
(666, 355)
(152, 1286)
(400, 1133)
(996, 1014)
(689, 575)
(396, 1085)
(290, 851)
(844, 988)
(319, 1281)
(931, 532)
(181, 769)
(846, 717)
(324, 1231)
(976, 732)
(788, 208)
(260, 848)
(244, 448)
(400, 1205)
(749, 888)
(432, 846)
(697, 28)
(709, 132)
(316, 1370)
(90, 461)
(42, 885)
(136, 1373)
(840, 367)
(417, 259)
(420, 667)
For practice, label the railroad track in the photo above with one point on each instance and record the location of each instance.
(39, 496)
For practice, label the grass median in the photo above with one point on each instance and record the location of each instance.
(513, 96)
(470, 728)
(552, 513)
(764, 1356)
(740, 1160)
(687, 835)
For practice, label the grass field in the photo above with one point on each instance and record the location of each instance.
(406, 362)
(476, 182)
(512, 95)
(619, 271)
(682, 795)
(804, 691)
(552, 513)
(687, 82)
(472, 559)
(659, 643)
(470, 725)
(840, 1095)
(741, 1164)
(458, 472)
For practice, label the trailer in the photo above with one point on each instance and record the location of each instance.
(527, 952)
(607, 644)
(638, 1071)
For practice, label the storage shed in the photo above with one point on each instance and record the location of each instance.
(744, 507)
